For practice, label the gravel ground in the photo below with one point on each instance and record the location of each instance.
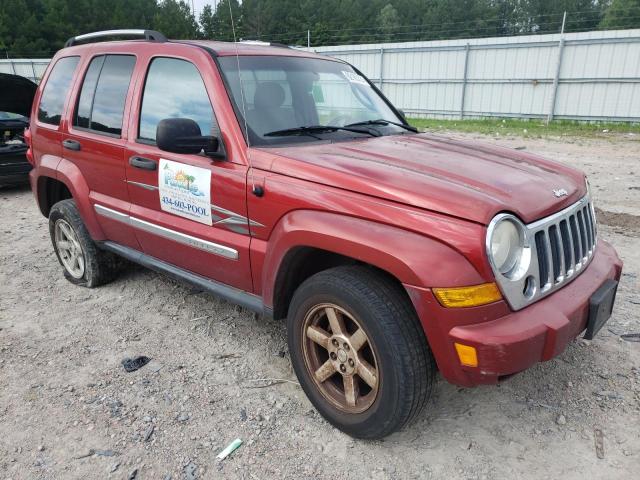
(69, 410)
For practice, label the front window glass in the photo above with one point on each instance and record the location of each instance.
(289, 92)
(174, 89)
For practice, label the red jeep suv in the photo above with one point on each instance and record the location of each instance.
(287, 183)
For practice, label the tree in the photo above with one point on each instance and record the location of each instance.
(175, 19)
(545, 16)
(460, 19)
(217, 25)
(622, 14)
(37, 28)
(207, 27)
(388, 21)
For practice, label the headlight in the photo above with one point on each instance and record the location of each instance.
(505, 243)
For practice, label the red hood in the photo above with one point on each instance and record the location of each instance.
(465, 179)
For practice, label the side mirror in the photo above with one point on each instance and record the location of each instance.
(182, 135)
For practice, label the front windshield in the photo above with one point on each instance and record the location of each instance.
(283, 93)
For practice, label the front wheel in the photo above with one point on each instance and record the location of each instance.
(83, 262)
(359, 351)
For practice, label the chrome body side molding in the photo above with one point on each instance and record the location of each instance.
(146, 186)
(112, 214)
(221, 216)
(205, 245)
(233, 218)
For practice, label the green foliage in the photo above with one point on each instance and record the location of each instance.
(388, 21)
(622, 14)
(217, 25)
(531, 128)
(175, 19)
(37, 28)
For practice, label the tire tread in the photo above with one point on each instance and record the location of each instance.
(100, 266)
(398, 319)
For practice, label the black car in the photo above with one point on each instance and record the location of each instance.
(16, 97)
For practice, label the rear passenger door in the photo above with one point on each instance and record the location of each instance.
(95, 141)
(214, 242)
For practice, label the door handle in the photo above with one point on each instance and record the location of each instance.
(71, 145)
(143, 163)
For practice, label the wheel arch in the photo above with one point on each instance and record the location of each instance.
(306, 242)
(49, 192)
(68, 183)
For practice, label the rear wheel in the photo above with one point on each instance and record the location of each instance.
(359, 351)
(83, 262)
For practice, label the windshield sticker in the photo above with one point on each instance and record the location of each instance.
(354, 77)
(185, 190)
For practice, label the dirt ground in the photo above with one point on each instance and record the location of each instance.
(69, 410)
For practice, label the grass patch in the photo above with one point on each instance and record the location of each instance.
(531, 128)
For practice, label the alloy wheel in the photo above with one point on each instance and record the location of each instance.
(340, 358)
(69, 249)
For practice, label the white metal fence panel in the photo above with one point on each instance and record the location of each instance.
(598, 75)
(33, 69)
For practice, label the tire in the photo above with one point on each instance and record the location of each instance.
(98, 267)
(396, 351)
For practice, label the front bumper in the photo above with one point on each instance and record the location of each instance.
(512, 341)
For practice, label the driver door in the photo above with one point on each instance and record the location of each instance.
(187, 210)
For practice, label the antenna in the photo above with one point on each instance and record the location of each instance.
(257, 190)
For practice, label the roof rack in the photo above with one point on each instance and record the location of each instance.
(267, 44)
(150, 35)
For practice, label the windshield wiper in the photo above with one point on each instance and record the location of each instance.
(382, 121)
(311, 129)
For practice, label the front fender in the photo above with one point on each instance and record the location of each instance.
(411, 258)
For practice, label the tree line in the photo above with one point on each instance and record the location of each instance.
(37, 28)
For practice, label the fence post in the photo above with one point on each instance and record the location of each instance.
(556, 79)
(380, 79)
(308, 38)
(467, 48)
(33, 69)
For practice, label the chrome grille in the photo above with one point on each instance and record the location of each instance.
(564, 245)
(559, 246)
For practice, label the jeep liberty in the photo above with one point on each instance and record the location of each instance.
(286, 182)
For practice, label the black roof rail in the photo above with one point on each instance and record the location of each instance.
(150, 35)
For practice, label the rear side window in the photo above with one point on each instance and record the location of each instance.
(104, 92)
(174, 89)
(56, 90)
(85, 102)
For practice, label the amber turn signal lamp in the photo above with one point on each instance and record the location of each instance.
(467, 355)
(468, 296)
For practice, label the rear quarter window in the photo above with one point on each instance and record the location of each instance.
(56, 90)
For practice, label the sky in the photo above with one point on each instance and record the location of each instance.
(199, 4)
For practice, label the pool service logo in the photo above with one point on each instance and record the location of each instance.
(185, 190)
